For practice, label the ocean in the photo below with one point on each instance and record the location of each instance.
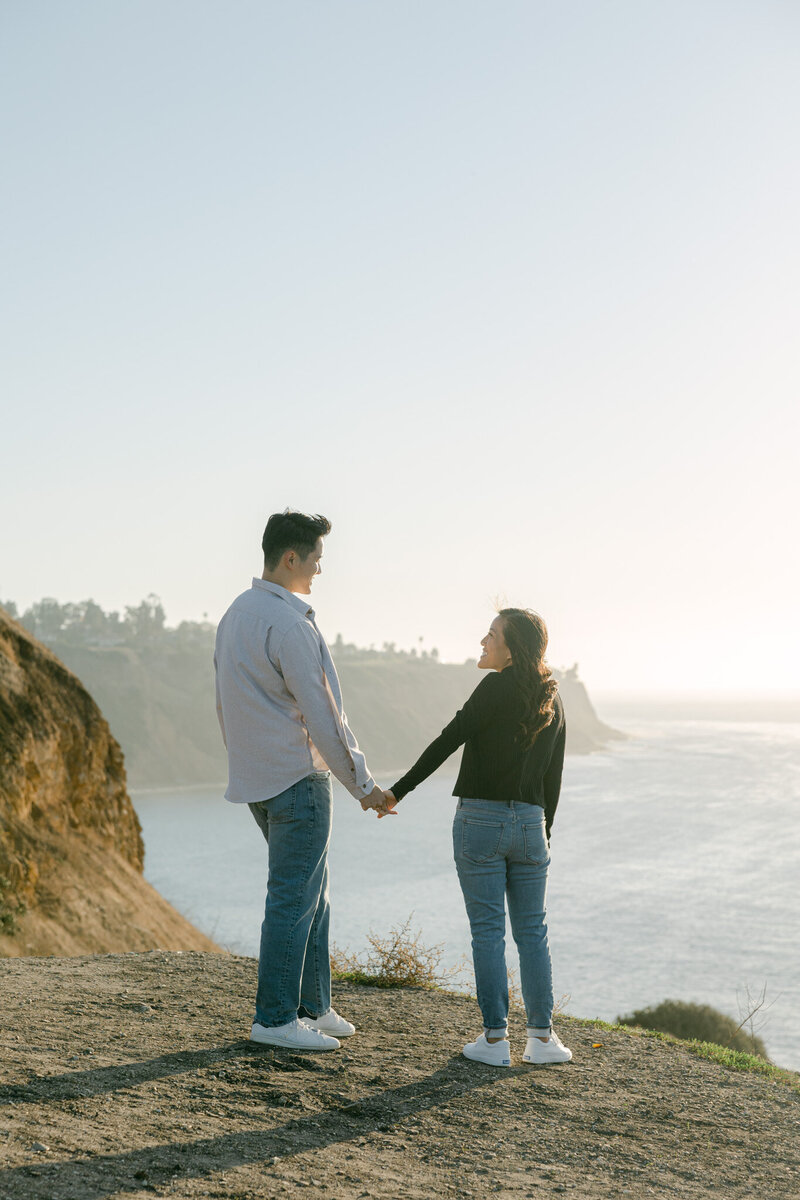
(674, 872)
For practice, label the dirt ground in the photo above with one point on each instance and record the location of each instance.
(131, 1076)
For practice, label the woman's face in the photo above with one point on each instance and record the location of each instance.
(496, 655)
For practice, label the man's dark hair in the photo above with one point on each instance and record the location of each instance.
(292, 530)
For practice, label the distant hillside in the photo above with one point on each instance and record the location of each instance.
(155, 686)
(71, 851)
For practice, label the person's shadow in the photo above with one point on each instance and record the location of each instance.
(153, 1166)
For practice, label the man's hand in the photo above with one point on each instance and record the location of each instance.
(377, 799)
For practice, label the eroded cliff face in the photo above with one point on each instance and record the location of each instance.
(71, 851)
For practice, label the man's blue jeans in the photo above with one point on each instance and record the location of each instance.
(294, 969)
(501, 851)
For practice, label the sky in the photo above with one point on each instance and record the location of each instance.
(508, 290)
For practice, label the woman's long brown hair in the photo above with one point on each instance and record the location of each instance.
(525, 635)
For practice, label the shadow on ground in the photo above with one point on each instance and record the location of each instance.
(154, 1166)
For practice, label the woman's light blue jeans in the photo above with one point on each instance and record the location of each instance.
(294, 969)
(501, 851)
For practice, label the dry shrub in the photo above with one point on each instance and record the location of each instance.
(514, 991)
(515, 1000)
(560, 1006)
(397, 960)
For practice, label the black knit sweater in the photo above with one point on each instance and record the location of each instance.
(494, 766)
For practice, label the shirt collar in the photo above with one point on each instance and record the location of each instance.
(283, 593)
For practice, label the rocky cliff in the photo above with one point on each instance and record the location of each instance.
(71, 851)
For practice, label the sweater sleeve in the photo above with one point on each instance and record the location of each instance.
(552, 778)
(476, 713)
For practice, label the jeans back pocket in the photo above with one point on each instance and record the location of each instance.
(480, 840)
(535, 840)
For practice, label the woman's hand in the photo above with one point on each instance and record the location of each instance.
(389, 806)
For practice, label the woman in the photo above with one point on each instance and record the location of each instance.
(513, 732)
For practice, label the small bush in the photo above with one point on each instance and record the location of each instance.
(397, 960)
(516, 1001)
(514, 990)
(696, 1021)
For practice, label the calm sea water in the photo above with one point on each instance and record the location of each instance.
(674, 874)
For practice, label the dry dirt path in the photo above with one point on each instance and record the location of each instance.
(131, 1076)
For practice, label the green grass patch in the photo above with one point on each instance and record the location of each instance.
(735, 1060)
(376, 981)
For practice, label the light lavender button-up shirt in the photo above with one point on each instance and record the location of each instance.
(279, 701)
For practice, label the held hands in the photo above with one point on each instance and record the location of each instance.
(382, 802)
(390, 808)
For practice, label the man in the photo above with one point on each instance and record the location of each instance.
(280, 710)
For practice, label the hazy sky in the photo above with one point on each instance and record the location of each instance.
(508, 290)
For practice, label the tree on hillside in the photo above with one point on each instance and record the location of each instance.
(145, 623)
(44, 619)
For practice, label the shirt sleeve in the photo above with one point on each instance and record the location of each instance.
(476, 713)
(300, 662)
(219, 702)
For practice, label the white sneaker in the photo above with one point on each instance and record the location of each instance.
(551, 1051)
(331, 1022)
(297, 1034)
(496, 1054)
